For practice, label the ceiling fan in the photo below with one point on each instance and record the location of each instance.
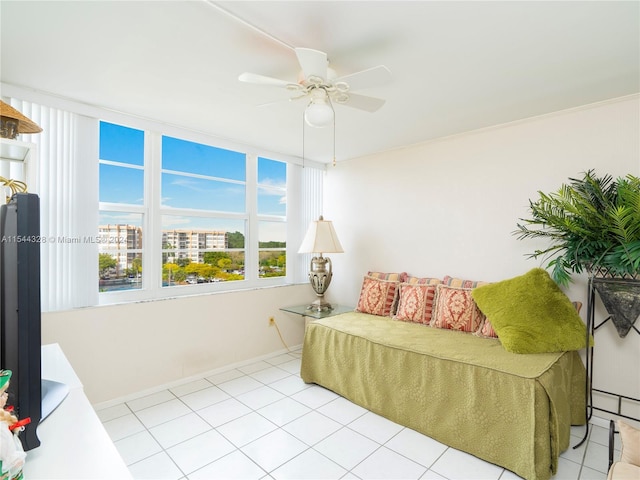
(320, 84)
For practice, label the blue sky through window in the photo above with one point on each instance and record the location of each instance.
(121, 144)
(272, 187)
(121, 185)
(183, 156)
(180, 191)
(193, 177)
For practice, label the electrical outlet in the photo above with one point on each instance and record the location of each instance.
(272, 321)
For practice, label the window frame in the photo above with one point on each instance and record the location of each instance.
(152, 212)
(125, 207)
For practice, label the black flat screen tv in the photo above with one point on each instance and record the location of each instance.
(20, 313)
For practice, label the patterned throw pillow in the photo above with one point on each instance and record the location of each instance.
(415, 303)
(461, 283)
(422, 281)
(455, 309)
(377, 297)
(486, 330)
(390, 277)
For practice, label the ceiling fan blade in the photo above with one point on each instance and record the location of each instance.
(371, 77)
(278, 102)
(364, 102)
(263, 80)
(314, 63)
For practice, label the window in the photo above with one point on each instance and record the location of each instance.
(214, 210)
(207, 247)
(272, 187)
(121, 195)
(139, 222)
(272, 211)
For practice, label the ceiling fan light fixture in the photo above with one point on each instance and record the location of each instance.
(320, 84)
(318, 114)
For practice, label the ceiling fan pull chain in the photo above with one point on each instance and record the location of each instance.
(334, 132)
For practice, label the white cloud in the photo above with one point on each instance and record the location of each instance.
(272, 187)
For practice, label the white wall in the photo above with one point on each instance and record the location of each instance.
(120, 350)
(450, 207)
(446, 207)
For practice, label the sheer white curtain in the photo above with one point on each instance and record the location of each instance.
(65, 176)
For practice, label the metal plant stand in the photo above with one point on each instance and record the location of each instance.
(624, 319)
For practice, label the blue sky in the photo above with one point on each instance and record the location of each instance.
(189, 188)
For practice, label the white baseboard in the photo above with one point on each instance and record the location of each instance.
(599, 421)
(176, 383)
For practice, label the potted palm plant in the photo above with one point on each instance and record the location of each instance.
(593, 225)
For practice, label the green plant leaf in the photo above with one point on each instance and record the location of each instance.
(590, 222)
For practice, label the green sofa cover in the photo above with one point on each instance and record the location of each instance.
(465, 391)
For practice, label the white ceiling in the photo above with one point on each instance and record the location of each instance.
(457, 66)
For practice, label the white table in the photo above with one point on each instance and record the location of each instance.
(74, 443)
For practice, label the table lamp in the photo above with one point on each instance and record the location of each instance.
(320, 238)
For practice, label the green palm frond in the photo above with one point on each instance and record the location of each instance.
(590, 222)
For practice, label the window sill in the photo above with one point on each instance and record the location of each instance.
(185, 291)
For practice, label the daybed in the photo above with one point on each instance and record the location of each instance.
(462, 389)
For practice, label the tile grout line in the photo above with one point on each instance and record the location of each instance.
(239, 448)
(309, 447)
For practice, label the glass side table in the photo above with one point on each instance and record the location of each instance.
(310, 315)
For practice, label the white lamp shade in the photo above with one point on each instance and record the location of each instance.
(318, 114)
(321, 238)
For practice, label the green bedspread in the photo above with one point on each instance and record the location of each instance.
(464, 391)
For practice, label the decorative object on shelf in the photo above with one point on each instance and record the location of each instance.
(12, 122)
(593, 224)
(12, 455)
(321, 238)
(621, 299)
(16, 186)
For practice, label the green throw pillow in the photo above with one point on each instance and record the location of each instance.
(531, 314)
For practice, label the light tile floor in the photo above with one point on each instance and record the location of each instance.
(263, 421)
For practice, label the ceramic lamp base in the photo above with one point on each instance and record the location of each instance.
(320, 274)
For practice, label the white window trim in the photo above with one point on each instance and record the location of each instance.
(304, 202)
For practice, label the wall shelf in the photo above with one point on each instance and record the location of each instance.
(18, 160)
(15, 150)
